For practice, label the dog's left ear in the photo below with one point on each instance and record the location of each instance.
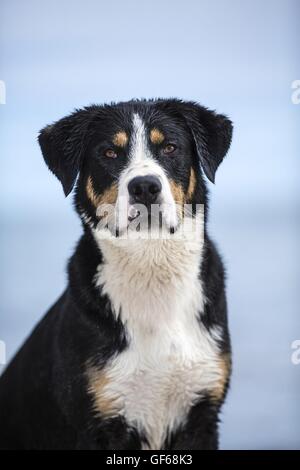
(63, 144)
(212, 133)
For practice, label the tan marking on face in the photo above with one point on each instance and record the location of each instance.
(104, 402)
(225, 366)
(177, 192)
(120, 139)
(178, 196)
(192, 185)
(108, 197)
(156, 136)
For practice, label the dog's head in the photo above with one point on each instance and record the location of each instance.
(138, 153)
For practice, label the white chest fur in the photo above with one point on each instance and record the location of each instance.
(171, 358)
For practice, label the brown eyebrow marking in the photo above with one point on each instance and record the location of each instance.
(120, 139)
(108, 197)
(156, 136)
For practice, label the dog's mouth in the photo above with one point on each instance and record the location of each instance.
(127, 219)
(146, 218)
(136, 222)
(133, 213)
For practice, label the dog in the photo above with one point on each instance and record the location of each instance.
(136, 352)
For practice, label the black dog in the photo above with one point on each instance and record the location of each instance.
(136, 352)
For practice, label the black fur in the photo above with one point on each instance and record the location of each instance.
(44, 402)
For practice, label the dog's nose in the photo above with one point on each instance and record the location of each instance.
(144, 189)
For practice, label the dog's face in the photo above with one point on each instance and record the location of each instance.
(137, 154)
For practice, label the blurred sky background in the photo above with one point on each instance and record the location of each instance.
(237, 57)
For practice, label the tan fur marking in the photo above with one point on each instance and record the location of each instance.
(192, 185)
(120, 139)
(102, 404)
(177, 192)
(179, 197)
(108, 197)
(225, 365)
(156, 136)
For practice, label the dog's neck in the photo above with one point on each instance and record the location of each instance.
(150, 281)
(163, 259)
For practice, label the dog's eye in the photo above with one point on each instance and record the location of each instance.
(110, 153)
(169, 148)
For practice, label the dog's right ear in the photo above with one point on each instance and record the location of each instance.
(211, 132)
(63, 144)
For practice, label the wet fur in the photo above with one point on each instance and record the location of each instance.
(136, 352)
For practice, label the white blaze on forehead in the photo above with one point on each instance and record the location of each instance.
(141, 161)
(139, 149)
